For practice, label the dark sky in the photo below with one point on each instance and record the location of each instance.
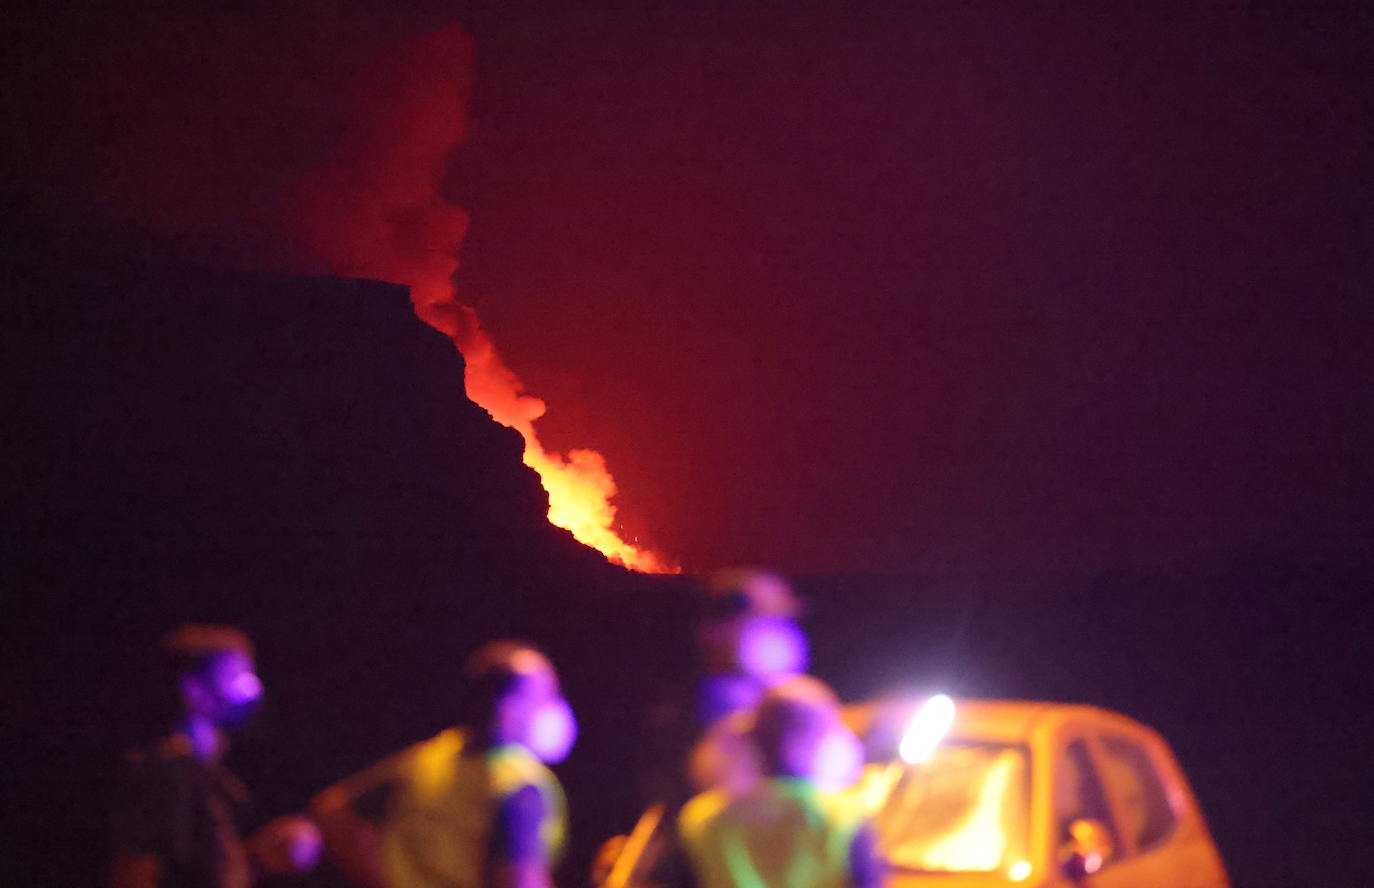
(839, 287)
(874, 289)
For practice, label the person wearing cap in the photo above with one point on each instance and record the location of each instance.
(786, 830)
(177, 807)
(474, 806)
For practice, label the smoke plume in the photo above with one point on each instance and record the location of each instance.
(376, 210)
(315, 143)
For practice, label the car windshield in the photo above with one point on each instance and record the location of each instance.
(961, 810)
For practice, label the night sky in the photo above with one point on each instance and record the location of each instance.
(898, 290)
(836, 287)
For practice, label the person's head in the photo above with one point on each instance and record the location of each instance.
(513, 696)
(793, 725)
(213, 669)
(748, 625)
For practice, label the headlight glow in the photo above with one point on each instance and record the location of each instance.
(928, 727)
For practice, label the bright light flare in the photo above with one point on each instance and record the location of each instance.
(1020, 871)
(928, 727)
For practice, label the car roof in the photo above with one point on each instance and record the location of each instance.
(1001, 721)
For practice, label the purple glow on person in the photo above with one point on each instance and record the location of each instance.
(305, 846)
(223, 693)
(553, 731)
(244, 687)
(772, 648)
(290, 844)
(720, 695)
(839, 759)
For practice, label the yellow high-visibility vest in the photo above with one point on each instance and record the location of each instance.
(439, 821)
(785, 833)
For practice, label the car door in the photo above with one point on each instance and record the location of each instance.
(1167, 843)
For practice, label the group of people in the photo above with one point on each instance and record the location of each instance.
(759, 745)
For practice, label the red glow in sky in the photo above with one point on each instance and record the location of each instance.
(829, 289)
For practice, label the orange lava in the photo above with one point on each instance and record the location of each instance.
(376, 210)
(580, 487)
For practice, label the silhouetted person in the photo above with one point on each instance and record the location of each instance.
(473, 807)
(785, 830)
(177, 810)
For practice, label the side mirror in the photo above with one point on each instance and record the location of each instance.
(606, 857)
(1088, 847)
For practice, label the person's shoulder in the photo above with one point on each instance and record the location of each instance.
(846, 809)
(159, 758)
(434, 758)
(447, 742)
(171, 748)
(512, 768)
(702, 810)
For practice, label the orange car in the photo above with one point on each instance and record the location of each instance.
(1004, 793)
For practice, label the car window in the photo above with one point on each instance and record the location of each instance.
(1078, 792)
(961, 810)
(1144, 802)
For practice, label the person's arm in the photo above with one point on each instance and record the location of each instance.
(522, 859)
(865, 862)
(352, 842)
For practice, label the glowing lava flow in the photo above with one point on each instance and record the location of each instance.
(376, 210)
(580, 487)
